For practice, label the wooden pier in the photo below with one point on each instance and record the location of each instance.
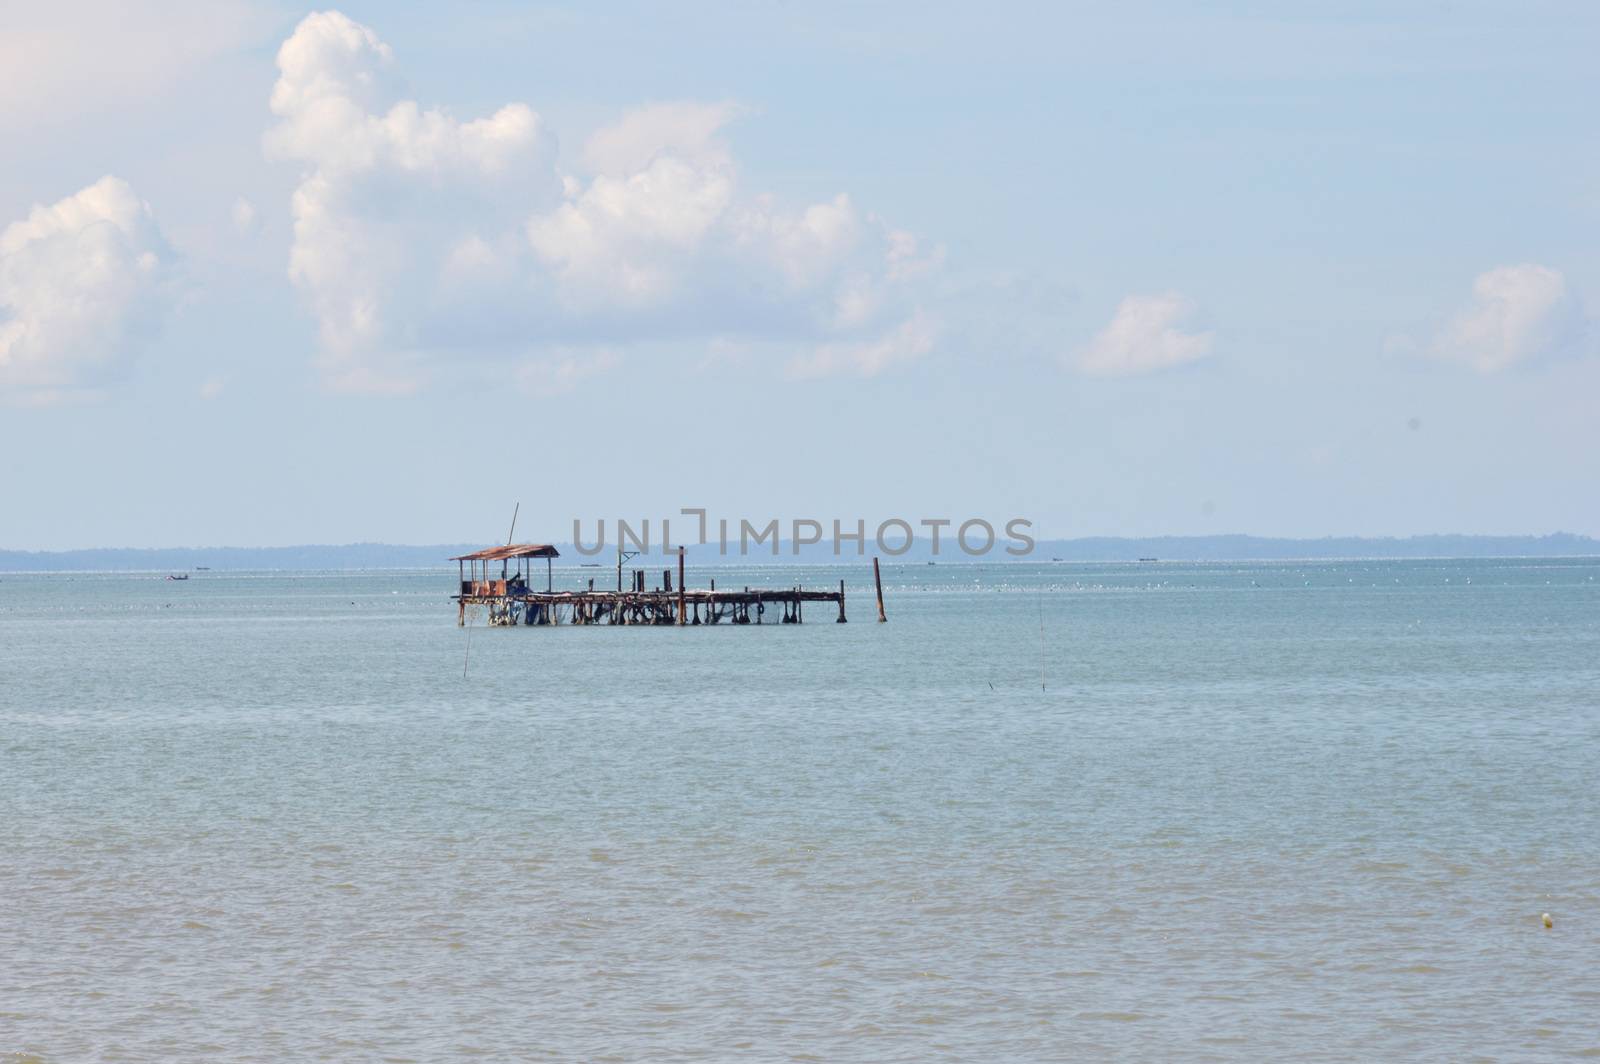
(510, 600)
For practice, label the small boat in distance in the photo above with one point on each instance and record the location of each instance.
(177, 576)
(1149, 559)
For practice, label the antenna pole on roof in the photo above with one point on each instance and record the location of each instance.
(467, 657)
(511, 536)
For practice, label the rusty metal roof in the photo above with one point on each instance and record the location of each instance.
(515, 550)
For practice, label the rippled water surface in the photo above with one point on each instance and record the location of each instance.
(1047, 812)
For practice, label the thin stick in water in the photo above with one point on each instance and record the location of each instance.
(1041, 639)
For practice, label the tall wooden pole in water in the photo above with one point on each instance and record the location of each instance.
(680, 585)
(877, 579)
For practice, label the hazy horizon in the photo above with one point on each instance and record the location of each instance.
(1217, 548)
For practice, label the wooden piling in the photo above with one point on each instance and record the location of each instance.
(877, 579)
(681, 618)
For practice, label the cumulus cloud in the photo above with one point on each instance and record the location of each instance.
(1518, 313)
(1145, 335)
(418, 235)
(390, 193)
(624, 241)
(80, 279)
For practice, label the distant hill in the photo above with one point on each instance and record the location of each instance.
(177, 559)
(1166, 548)
(1259, 548)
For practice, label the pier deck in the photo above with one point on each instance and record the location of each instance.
(747, 606)
(510, 601)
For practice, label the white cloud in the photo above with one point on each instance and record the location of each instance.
(1518, 313)
(663, 233)
(79, 280)
(625, 240)
(391, 190)
(417, 234)
(808, 246)
(1145, 335)
(663, 236)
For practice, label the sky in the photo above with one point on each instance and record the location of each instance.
(273, 275)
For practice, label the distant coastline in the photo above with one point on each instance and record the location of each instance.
(1093, 549)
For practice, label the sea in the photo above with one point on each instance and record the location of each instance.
(1047, 812)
